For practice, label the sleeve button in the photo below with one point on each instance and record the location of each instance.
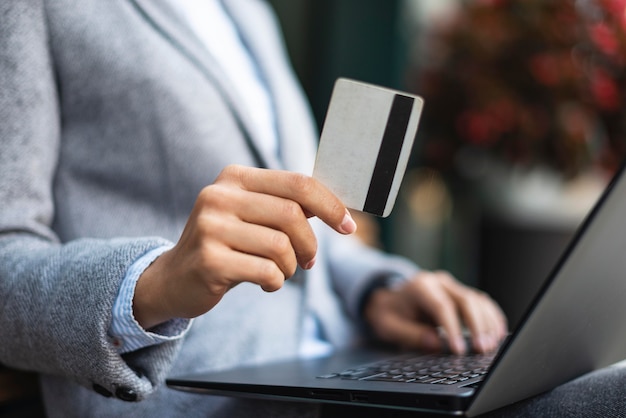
(101, 390)
(126, 394)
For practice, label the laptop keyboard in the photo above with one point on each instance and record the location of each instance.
(439, 369)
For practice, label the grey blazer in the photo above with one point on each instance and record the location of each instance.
(112, 119)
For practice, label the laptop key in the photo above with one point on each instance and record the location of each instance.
(430, 380)
(387, 378)
(446, 382)
(474, 384)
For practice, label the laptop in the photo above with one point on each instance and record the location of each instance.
(574, 325)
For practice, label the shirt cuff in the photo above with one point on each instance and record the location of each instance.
(125, 332)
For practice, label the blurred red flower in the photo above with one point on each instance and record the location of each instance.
(528, 82)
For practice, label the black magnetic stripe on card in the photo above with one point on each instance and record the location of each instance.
(388, 155)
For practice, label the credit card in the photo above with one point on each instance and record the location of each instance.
(365, 145)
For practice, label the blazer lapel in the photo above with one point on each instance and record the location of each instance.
(295, 124)
(172, 27)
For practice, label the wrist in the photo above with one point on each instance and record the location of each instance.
(150, 300)
(386, 281)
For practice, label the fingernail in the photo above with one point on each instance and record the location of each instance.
(348, 226)
(310, 264)
(458, 345)
(482, 343)
(485, 343)
(493, 342)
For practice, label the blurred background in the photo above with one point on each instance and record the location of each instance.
(522, 129)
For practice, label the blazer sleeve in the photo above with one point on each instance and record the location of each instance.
(55, 297)
(354, 267)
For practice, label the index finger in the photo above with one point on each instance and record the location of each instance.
(310, 194)
(483, 317)
(435, 301)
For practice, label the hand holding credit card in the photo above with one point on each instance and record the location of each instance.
(366, 143)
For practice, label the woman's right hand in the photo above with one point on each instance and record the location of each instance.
(251, 225)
